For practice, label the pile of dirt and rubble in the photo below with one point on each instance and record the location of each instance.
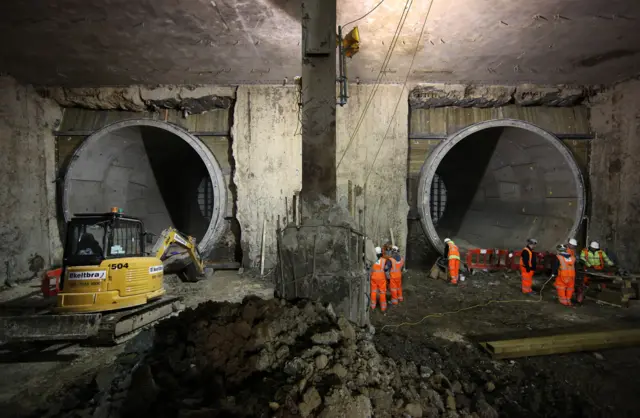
(275, 359)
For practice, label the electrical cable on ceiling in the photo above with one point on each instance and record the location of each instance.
(365, 15)
(404, 85)
(387, 59)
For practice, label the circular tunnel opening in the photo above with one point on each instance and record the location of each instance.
(156, 171)
(504, 181)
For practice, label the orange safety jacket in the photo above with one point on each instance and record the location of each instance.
(377, 270)
(566, 268)
(396, 268)
(454, 252)
(530, 266)
(571, 252)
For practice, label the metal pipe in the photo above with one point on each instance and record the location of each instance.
(438, 137)
(87, 133)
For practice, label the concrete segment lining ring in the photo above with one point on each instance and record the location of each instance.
(216, 225)
(565, 174)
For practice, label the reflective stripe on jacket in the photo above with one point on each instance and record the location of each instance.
(596, 260)
(396, 269)
(377, 270)
(566, 269)
(454, 252)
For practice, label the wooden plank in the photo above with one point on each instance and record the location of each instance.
(419, 150)
(219, 147)
(428, 121)
(558, 120)
(459, 118)
(580, 150)
(562, 343)
(65, 147)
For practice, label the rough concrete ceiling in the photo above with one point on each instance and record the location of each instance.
(121, 42)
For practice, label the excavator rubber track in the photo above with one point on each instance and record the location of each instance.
(107, 328)
(118, 327)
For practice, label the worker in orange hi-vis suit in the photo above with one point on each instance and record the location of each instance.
(564, 268)
(572, 248)
(379, 281)
(395, 276)
(452, 253)
(528, 266)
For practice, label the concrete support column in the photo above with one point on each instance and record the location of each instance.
(318, 98)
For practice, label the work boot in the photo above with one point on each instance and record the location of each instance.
(531, 294)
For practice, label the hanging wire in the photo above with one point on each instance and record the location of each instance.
(367, 14)
(387, 59)
(404, 85)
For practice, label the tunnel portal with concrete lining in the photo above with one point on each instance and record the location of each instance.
(155, 171)
(496, 183)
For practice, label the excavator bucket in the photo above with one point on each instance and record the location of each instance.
(49, 327)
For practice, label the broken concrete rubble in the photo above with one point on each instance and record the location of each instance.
(442, 95)
(483, 96)
(558, 96)
(191, 99)
(203, 364)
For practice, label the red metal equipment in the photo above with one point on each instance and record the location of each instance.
(50, 284)
(497, 259)
(486, 259)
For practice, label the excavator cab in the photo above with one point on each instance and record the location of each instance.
(104, 265)
(92, 238)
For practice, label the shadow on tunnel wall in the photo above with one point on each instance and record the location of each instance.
(293, 8)
(462, 170)
(178, 171)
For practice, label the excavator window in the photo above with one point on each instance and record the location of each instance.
(125, 239)
(86, 241)
(92, 238)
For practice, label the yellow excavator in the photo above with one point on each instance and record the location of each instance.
(109, 286)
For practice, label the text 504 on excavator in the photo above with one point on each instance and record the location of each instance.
(109, 287)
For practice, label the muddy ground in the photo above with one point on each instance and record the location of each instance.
(600, 384)
(603, 384)
(33, 373)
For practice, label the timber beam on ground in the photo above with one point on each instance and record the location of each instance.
(560, 344)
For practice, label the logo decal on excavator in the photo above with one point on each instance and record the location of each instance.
(88, 275)
(155, 269)
(180, 240)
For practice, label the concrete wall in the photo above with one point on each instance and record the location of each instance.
(28, 227)
(615, 172)
(376, 159)
(267, 150)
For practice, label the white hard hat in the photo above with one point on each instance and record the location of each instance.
(446, 240)
(532, 241)
(395, 248)
(594, 245)
(573, 241)
(378, 250)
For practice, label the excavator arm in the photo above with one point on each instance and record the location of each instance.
(171, 237)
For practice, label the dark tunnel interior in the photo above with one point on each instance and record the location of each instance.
(150, 172)
(504, 185)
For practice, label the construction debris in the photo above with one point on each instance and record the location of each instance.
(272, 358)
